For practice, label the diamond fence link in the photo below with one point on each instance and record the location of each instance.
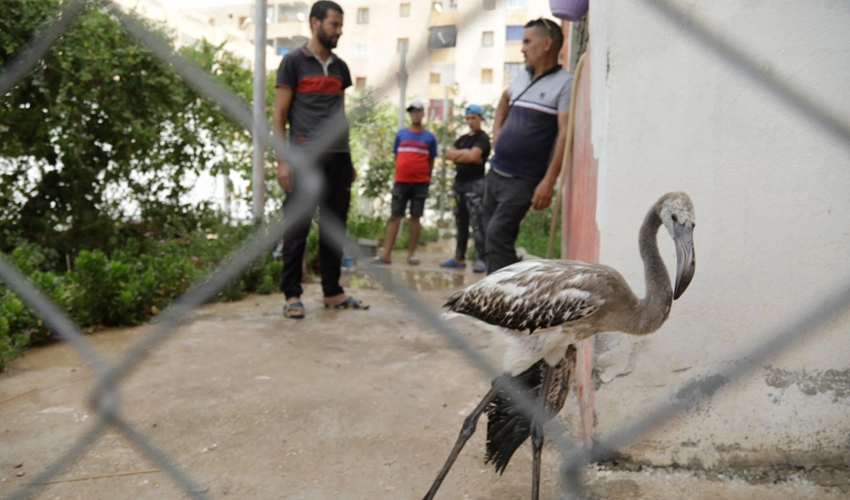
(105, 397)
(254, 248)
(821, 311)
(18, 67)
(780, 339)
(807, 107)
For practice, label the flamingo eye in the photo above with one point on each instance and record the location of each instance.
(675, 219)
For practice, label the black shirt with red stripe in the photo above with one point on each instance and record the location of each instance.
(318, 94)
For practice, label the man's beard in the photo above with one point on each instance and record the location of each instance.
(327, 41)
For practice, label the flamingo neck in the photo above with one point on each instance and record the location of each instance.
(655, 306)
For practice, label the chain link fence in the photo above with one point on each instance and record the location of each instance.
(105, 399)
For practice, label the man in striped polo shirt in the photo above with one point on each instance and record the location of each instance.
(415, 149)
(309, 96)
(529, 133)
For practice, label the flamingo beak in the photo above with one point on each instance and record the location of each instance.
(685, 259)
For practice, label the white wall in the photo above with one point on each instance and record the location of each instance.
(772, 197)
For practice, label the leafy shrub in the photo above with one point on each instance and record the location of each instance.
(360, 226)
(534, 233)
(13, 339)
(138, 278)
(128, 287)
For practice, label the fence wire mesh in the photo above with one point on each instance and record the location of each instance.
(105, 400)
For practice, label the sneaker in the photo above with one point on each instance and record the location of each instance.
(452, 262)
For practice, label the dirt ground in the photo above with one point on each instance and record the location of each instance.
(342, 405)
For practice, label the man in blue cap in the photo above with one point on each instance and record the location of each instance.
(470, 153)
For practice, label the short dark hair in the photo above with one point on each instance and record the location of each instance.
(320, 9)
(552, 29)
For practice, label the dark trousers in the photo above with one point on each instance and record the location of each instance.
(506, 201)
(468, 199)
(333, 202)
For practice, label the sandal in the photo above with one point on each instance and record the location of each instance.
(413, 261)
(348, 303)
(479, 267)
(381, 260)
(294, 310)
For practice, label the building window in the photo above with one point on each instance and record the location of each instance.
(363, 15)
(362, 50)
(517, 4)
(291, 13)
(512, 70)
(284, 45)
(360, 83)
(281, 46)
(437, 6)
(487, 39)
(442, 37)
(487, 75)
(513, 33)
(403, 43)
(443, 73)
(435, 110)
(451, 5)
(489, 4)
(404, 10)
(270, 17)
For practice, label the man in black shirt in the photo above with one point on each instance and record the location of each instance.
(469, 153)
(309, 94)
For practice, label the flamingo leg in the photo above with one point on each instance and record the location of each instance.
(537, 433)
(466, 432)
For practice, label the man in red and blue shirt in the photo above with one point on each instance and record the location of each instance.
(309, 96)
(415, 149)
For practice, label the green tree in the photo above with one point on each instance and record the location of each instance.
(373, 129)
(101, 135)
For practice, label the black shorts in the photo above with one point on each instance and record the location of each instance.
(415, 193)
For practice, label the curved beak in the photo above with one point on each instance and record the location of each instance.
(685, 259)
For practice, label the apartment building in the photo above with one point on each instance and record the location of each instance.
(470, 46)
(225, 25)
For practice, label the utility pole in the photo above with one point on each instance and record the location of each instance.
(402, 84)
(443, 194)
(259, 133)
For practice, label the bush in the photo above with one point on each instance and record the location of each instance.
(13, 339)
(133, 281)
(534, 233)
(128, 287)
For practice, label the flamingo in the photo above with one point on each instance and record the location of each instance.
(545, 307)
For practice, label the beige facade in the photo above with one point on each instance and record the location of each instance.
(227, 25)
(474, 69)
(477, 69)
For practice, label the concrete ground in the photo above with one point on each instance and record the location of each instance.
(342, 405)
